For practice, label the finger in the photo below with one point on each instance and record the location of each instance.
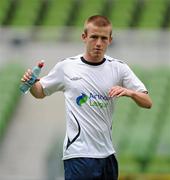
(22, 80)
(29, 72)
(121, 94)
(112, 90)
(115, 91)
(27, 76)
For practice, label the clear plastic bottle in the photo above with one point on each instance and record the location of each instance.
(24, 87)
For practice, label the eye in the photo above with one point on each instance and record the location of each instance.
(104, 38)
(94, 37)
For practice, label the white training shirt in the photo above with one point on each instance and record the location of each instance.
(89, 109)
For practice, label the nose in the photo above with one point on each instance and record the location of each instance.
(98, 42)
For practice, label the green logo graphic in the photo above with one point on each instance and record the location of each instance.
(82, 99)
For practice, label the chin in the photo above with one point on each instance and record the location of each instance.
(99, 56)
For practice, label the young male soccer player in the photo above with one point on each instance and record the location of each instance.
(91, 82)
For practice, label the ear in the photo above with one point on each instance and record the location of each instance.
(110, 40)
(83, 36)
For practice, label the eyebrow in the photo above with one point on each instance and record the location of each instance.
(102, 36)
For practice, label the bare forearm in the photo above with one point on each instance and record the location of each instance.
(142, 99)
(37, 91)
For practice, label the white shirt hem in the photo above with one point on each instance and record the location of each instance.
(87, 156)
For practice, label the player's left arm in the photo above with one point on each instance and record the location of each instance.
(141, 98)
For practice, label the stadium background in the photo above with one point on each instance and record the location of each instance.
(32, 131)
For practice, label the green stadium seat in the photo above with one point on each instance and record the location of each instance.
(146, 121)
(127, 166)
(163, 145)
(57, 13)
(152, 15)
(4, 4)
(159, 166)
(140, 143)
(122, 12)
(160, 161)
(9, 92)
(121, 121)
(139, 131)
(90, 8)
(26, 13)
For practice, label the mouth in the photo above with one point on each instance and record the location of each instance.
(97, 50)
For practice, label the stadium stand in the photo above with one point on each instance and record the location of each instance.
(26, 13)
(153, 14)
(107, 8)
(121, 127)
(160, 161)
(136, 13)
(141, 136)
(72, 14)
(9, 11)
(57, 13)
(9, 92)
(122, 13)
(142, 14)
(4, 4)
(87, 9)
(164, 143)
(43, 9)
(166, 20)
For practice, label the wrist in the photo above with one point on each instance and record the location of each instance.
(131, 93)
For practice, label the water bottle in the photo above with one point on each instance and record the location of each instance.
(24, 87)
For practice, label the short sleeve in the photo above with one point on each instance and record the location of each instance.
(130, 80)
(54, 81)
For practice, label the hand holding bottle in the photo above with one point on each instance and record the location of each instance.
(30, 77)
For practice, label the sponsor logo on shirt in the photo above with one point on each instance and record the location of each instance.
(94, 100)
(81, 99)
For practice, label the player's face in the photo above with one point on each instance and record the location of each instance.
(97, 39)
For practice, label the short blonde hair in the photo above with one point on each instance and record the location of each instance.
(98, 20)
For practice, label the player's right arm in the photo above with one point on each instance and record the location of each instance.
(36, 90)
